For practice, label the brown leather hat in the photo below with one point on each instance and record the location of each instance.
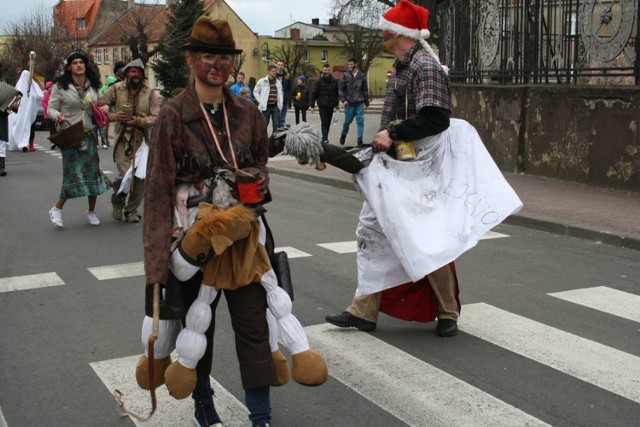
(212, 36)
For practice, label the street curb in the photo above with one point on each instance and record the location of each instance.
(520, 220)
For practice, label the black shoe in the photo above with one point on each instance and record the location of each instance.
(360, 143)
(346, 320)
(205, 414)
(343, 138)
(447, 327)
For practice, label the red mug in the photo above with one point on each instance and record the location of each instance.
(248, 188)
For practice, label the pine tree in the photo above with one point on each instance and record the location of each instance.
(170, 69)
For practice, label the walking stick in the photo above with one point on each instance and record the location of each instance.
(152, 339)
(32, 60)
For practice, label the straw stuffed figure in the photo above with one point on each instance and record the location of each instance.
(228, 245)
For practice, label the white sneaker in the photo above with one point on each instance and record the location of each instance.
(56, 217)
(104, 146)
(93, 219)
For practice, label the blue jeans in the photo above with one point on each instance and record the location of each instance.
(354, 111)
(258, 404)
(283, 112)
(272, 113)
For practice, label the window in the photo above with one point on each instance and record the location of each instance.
(106, 56)
(570, 24)
(124, 54)
(81, 23)
(116, 56)
(325, 56)
(343, 54)
(98, 56)
(305, 56)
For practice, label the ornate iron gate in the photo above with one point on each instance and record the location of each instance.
(541, 41)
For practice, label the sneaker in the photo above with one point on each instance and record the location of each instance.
(56, 217)
(343, 139)
(53, 146)
(133, 217)
(93, 219)
(346, 320)
(205, 414)
(105, 146)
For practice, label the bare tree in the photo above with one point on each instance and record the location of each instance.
(358, 21)
(292, 54)
(238, 62)
(35, 31)
(137, 25)
(374, 9)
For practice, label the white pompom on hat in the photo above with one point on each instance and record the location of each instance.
(409, 20)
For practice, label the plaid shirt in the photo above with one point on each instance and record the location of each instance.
(419, 81)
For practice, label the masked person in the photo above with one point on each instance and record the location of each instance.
(134, 107)
(202, 137)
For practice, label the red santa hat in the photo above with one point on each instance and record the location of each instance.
(409, 20)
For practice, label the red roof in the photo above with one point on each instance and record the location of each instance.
(152, 17)
(70, 13)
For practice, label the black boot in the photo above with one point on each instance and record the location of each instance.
(2, 171)
(360, 143)
(343, 138)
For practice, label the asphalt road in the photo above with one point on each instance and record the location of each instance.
(507, 366)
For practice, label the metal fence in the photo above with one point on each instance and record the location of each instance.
(541, 41)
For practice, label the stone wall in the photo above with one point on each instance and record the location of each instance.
(579, 133)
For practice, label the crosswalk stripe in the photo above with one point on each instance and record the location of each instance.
(406, 387)
(3, 422)
(118, 271)
(341, 247)
(602, 298)
(31, 281)
(292, 252)
(119, 374)
(605, 367)
(352, 245)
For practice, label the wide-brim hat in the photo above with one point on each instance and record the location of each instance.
(212, 36)
(76, 55)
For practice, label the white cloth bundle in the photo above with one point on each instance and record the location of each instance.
(20, 126)
(142, 154)
(420, 215)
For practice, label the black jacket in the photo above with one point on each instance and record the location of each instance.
(325, 92)
(303, 102)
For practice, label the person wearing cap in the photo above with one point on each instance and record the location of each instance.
(132, 131)
(354, 95)
(417, 105)
(202, 137)
(71, 99)
(240, 84)
(301, 99)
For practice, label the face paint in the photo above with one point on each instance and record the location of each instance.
(213, 69)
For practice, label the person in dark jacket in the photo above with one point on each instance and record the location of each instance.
(301, 99)
(354, 95)
(285, 80)
(325, 93)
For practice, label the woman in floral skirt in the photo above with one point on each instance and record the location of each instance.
(70, 103)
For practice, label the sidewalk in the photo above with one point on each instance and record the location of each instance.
(565, 208)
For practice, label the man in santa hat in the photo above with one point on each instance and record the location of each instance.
(417, 105)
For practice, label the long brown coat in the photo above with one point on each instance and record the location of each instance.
(177, 154)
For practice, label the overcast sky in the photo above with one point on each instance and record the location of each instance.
(262, 16)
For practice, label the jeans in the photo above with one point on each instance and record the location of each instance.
(99, 133)
(283, 113)
(272, 113)
(326, 113)
(354, 111)
(258, 404)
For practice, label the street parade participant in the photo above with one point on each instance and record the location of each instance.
(205, 235)
(135, 109)
(21, 124)
(9, 100)
(431, 189)
(70, 104)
